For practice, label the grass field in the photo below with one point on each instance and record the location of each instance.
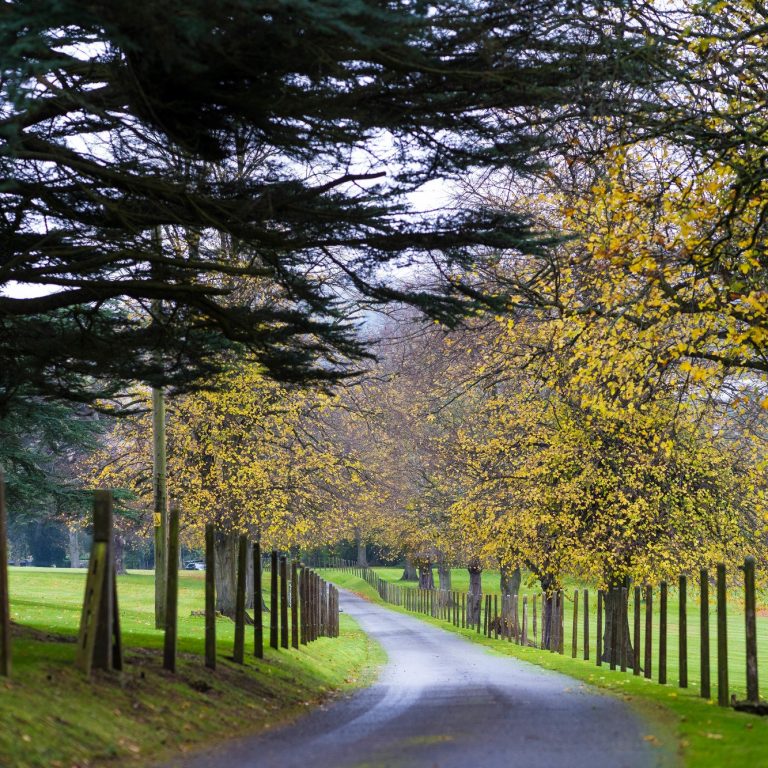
(51, 717)
(699, 732)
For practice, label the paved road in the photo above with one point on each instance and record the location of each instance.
(444, 702)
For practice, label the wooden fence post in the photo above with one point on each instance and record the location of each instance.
(663, 633)
(623, 626)
(636, 634)
(210, 597)
(103, 652)
(753, 694)
(258, 614)
(274, 621)
(238, 652)
(294, 604)
(682, 631)
(304, 609)
(722, 639)
(561, 624)
(5, 611)
(586, 625)
(648, 631)
(599, 633)
(284, 602)
(614, 637)
(534, 600)
(171, 591)
(706, 688)
(524, 638)
(554, 612)
(575, 638)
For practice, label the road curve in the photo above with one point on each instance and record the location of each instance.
(444, 702)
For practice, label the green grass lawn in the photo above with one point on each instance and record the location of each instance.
(702, 734)
(51, 716)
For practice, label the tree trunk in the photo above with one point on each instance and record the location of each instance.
(74, 549)
(362, 558)
(426, 577)
(118, 545)
(547, 609)
(613, 601)
(444, 577)
(226, 573)
(475, 594)
(409, 572)
(510, 585)
(249, 580)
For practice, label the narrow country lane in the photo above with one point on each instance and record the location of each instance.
(444, 702)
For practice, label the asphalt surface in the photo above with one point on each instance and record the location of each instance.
(444, 702)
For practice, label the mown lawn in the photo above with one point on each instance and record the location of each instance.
(50, 716)
(703, 735)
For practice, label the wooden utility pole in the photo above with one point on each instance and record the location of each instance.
(161, 504)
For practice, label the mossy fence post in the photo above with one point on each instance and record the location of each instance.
(99, 642)
(5, 611)
(586, 625)
(210, 597)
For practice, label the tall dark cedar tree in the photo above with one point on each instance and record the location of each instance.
(123, 132)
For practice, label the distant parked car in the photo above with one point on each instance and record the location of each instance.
(195, 565)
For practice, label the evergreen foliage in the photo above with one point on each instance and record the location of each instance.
(127, 138)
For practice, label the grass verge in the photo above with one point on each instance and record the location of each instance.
(703, 735)
(52, 717)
